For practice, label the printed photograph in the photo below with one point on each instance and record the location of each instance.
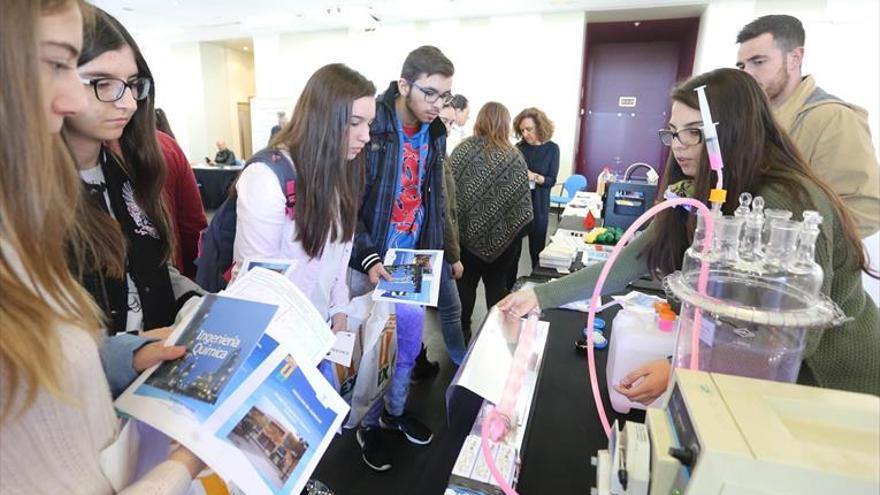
(404, 278)
(415, 277)
(219, 339)
(271, 445)
(279, 427)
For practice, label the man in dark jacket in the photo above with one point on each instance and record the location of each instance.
(224, 155)
(402, 207)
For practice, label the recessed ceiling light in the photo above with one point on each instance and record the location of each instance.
(245, 48)
(637, 23)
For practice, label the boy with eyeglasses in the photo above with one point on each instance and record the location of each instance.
(402, 207)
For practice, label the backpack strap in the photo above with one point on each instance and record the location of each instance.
(285, 173)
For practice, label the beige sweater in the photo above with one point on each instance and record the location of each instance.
(834, 138)
(54, 446)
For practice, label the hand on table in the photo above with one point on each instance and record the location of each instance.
(520, 303)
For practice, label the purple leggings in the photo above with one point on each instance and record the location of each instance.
(410, 323)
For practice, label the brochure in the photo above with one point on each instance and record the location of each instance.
(242, 399)
(282, 266)
(415, 277)
(300, 323)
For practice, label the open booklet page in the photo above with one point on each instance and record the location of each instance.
(304, 327)
(415, 277)
(242, 398)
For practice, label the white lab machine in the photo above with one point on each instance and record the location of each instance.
(725, 434)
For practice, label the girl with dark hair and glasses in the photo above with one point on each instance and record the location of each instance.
(128, 270)
(761, 159)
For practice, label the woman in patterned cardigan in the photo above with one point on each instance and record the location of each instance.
(494, 206)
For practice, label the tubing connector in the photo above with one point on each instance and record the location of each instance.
(718, 196)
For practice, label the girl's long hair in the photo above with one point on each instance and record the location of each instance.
(328, 185)
(38, 185)
(493, 124)
(140, 156)
(756, 152)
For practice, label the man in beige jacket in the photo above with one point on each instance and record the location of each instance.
(831, 134)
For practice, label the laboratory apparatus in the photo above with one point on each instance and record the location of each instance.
(727, 434)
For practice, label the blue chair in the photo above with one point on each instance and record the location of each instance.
(573, 184)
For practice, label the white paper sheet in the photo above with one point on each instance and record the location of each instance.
(495, 344)
(262, 419)
(297, 322)
(342, 348)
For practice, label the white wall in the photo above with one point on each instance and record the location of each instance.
(228, 79)
(842, 47)
(535, 60)
(241, 84)
(199, 85)
(491, 62)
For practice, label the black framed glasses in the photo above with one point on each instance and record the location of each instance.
(688, 136)
(431, 95)
(110, 89)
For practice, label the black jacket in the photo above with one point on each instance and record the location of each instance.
(151, 275)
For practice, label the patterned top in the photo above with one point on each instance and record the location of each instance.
(492, 188)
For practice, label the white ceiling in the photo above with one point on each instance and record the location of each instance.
(234, 19)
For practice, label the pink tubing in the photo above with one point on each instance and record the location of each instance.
(596, 300)
(498, 419)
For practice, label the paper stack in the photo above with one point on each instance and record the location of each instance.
(557, 255)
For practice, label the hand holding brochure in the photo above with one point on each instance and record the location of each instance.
(242, 399)
(415, 277)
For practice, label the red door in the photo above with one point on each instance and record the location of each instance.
(627, 102)
(630, 69)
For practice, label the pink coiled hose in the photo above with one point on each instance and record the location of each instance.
(499, 419)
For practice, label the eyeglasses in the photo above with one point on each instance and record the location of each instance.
(110, 89)
(431, 95)
(688, 137)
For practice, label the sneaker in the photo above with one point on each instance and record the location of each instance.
(372, 449)
(413, 429)
(424, 369)
(316, 487)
